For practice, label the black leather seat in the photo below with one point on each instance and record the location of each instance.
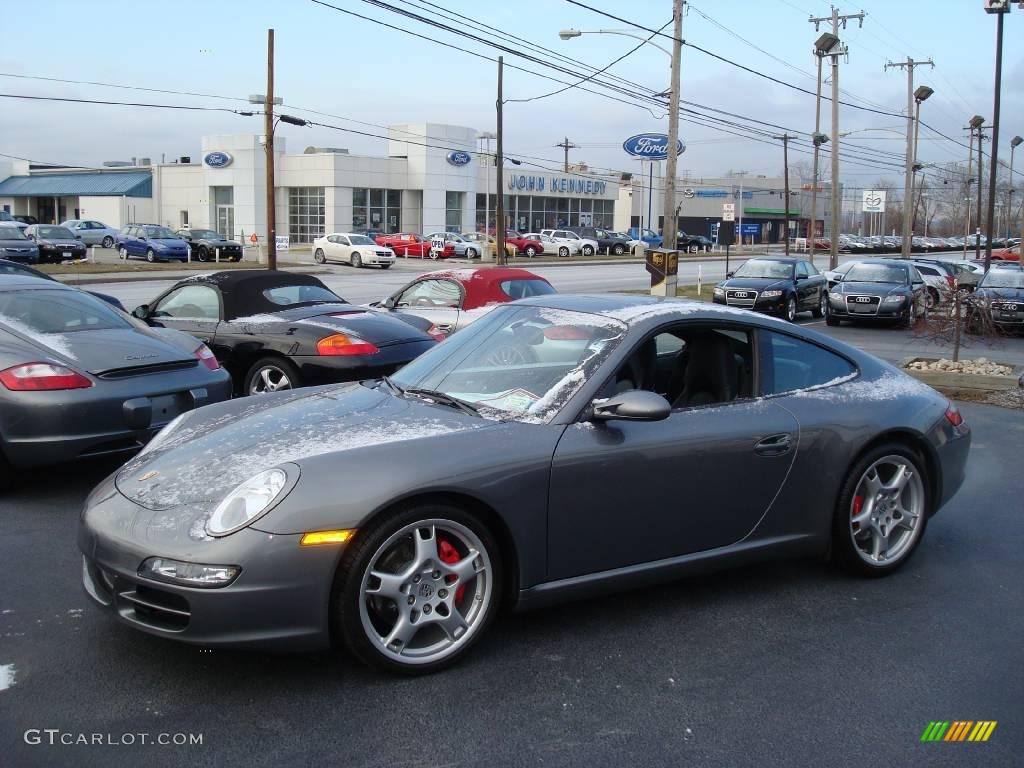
(639, 370)
(711, 373)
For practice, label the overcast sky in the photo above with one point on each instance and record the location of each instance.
(335, 63)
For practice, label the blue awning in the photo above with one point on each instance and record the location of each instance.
(101, 183)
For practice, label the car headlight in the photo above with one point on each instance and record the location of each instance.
(894, 300)
(188, 574)
(771, 294)
(247, 502)
(719, 291)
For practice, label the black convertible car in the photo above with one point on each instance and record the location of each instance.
(279, 330)
(878, 289)
(781, 287)
(207, 245)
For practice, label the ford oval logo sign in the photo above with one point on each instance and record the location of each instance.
(459, 158)
(217, 159)
(651, 146)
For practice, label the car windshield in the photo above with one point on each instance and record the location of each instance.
(57, 311)
(12, 233)
(360, 240)
(288, 295)
(57, 233)
(519, 362)
(159, 233)
(876, 273)
(780, 270)
(1003, 278)
(205, 234)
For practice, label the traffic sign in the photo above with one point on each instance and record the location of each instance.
(728, 211)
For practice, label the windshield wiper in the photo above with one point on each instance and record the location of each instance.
(441, 398)
(392, 386)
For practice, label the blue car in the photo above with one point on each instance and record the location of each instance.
(651, 238)
(152, 241)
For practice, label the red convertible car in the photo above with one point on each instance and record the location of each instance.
(453, 298)
(408, 244)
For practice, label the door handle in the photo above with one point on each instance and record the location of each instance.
(776, 445)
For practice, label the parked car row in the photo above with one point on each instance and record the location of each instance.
(1004, 248)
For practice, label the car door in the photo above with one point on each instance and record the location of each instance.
(195, 309)
(806, 290)
(436, 299)
(337, 247)
(135, 241)
(624, 493)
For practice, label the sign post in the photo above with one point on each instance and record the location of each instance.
(663, 266)
(727, 231)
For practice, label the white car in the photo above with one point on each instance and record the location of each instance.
(587, 247)
(350, 248)
(558, 247)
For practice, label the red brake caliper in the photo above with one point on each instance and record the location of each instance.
(450, 555)
(858, 502)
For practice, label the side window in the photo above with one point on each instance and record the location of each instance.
(427, 294)
(190, 301)
(811, 269)
(915, 276)
(928, 271)
(789, 364)
(801, 269)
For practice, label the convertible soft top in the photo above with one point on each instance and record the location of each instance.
(243, 289)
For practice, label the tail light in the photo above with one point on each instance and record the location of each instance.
(437, 333)
(952, 281)
(206, 357)
(953, 415)
(42, 376)
(343, 344)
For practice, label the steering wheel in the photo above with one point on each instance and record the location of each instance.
(511, 354)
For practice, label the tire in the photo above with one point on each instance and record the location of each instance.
(563, 251)
(932, 298)
(442, 534)
(202, 254)
(271, 374)
(320, 257)
(588, 250)
(151, 256)
(530, 251)
(357, 261)
(619, 249)
(791, 309)
(903, 513)
(822, 308)
(107, 242)
(906, 319)
(122, 253)
(471, 253)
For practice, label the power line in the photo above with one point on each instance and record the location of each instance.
(125, 103)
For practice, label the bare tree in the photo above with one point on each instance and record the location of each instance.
(958, 322)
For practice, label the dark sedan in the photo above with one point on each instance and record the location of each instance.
(999, 298)
(56, 244)
(781, 287)
(208, 245)
(14, 246)
(79, 379)
(878, 289)
(279, 330)
(400, 515)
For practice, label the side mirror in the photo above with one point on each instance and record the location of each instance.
(634, 405)
(141, 311)
(389, 302)
(801, 277)
(729, 274)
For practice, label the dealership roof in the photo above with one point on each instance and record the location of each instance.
(100, 183)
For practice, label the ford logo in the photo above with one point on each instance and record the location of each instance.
(651, 146)
(459, 158)
(217, 159)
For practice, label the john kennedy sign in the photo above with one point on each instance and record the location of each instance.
(651, 146)
(570, 185)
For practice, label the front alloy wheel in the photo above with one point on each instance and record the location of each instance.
(151, 256)
(108, 242)
(791, 309)
(418, 589)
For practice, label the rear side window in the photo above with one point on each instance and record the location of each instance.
(286, 295)
(523, 289)
(59, 311)
(928, 271)
(789, 364)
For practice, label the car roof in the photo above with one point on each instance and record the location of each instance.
(783, 259)
(487, 274)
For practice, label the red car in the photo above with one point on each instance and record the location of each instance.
(1007, 254)
(453, 298)
(408, 244)
(524, 245)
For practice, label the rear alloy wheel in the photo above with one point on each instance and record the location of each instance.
(357, 261)
(931, 298)
(108, 242)
(822, 308)
(202, 254)
(319, 257)
(471, 253)
(618, 249)
(882, 511)
(530, 251)
(588, 250)
(417, 589)
(563, 251)
(791, 310)
(271, 375)
(123, 253)
(151, 256)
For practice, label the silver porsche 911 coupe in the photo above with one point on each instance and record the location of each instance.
(561, 446)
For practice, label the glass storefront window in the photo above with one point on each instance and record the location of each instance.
(306, 209)
(453, 211)
(379, 209)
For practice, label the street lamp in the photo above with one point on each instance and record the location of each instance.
(830, 45)
(569, 34)
(1014, 143)
(487, 136)
(921, 93)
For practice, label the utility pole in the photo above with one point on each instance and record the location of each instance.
(268, 144)
(977, 229)
(994, 169)
(968, 180)
(671, 225)
(818, 139)
(908, 182)
(835, 51)
(739, 206)
(566, 145)
(784, 138)
(499, 160)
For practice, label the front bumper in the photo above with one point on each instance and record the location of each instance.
(378, 258)
(57, 251)
(771, 306)
(952, 446)
(279, 601)
(837, 307)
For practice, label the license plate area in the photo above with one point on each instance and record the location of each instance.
(167, 407)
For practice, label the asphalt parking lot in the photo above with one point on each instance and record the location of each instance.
(783, 664)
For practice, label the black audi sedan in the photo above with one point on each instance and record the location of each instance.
(208, 245)
(878, 289)
(780, 286)
(1000, 296)
(274, 331)
(56, 244)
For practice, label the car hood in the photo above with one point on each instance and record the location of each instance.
(19, 243)
(380, 328)
(1011, 294)
(872, 289)
(166, 243)
(755, 283)
(60, 242)
(211, 451)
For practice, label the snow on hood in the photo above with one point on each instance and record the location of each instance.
(58, 342)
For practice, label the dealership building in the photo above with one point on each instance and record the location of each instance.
(434, 177)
